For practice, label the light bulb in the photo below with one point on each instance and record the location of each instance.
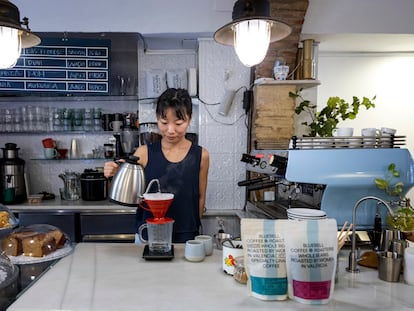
(10, 47)
(251, 41)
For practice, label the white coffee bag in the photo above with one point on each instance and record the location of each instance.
(311, 255)
(264, 257)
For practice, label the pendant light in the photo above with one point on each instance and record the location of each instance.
(251, 31)
(13, 37)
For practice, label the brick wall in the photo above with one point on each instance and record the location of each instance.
(292, 12)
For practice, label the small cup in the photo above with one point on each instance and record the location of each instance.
(208, 243)
(194, 250)
(386, 131)
(48, 143)
(370, 131)
(50, 153)
(62, 153)
(344, 131)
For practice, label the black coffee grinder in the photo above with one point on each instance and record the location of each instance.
(12, 183)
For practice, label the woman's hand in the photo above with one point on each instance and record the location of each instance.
(110, 168)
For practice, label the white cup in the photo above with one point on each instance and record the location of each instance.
(208, 243)
(369, 139)
(50, 153)
(386, 131)
(115, 126)
(194, 250)
(344, 131)
(409, 265)
(370, 131)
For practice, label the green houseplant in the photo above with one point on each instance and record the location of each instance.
(325, 121)
(403, 218)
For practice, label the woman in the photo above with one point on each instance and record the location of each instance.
(180, 166)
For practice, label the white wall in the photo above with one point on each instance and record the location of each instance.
(386, 76)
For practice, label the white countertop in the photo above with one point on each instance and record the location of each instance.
(116, 277)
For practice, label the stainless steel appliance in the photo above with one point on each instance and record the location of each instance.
(94, 185)
(12, 183)
(128, 184)
(267, 169)
(331, 174)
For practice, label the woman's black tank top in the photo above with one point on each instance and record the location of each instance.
(181, 179)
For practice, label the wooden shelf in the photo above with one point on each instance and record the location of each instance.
(303, 84)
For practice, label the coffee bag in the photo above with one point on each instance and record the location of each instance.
(311, 255)
(264, 257)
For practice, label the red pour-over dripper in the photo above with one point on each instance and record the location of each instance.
(158, 202)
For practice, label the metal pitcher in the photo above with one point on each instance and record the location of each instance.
(71, 185)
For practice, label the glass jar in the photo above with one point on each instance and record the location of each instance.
(239, 273)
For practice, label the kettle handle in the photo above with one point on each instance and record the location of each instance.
(140, 204)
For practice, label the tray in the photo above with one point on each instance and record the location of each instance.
(57, 254)
(147, 255)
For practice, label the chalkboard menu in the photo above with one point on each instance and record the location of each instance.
(59, 65)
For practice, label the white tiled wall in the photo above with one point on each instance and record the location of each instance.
(223, 136)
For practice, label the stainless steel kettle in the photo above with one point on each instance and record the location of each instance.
(128, 184)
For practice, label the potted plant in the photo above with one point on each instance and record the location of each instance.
(325, 121)
(403, 218)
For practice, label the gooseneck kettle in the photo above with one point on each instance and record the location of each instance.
(128, 183)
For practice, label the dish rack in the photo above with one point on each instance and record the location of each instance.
(346, 142)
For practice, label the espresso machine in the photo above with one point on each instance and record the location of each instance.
(330, 176)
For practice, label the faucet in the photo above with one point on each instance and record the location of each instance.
(352, 266)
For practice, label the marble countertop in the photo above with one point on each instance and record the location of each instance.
(105, 276)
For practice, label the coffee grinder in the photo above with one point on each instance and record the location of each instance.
(12, 182)
(159, 228)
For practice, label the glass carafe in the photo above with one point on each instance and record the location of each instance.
(71, 187)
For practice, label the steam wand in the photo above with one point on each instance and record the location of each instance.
(352, 266)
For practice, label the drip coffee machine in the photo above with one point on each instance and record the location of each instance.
(159, 228)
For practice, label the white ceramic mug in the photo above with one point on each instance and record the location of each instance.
(386, 131)
(50, 153)
(344, 131)
(194, 250)
(208, 243)
(370, 131)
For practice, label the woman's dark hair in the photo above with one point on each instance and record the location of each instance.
(177, 99)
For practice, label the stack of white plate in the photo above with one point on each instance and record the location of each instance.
(305, 213)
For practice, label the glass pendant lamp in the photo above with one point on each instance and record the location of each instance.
(13, 37)
(251, 31)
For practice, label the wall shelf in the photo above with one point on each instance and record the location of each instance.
(302, 84)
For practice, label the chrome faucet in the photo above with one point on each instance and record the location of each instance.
(352, 266)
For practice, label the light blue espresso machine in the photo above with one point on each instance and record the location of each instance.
(349, 175)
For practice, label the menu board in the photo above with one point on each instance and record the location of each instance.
(60, 66)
